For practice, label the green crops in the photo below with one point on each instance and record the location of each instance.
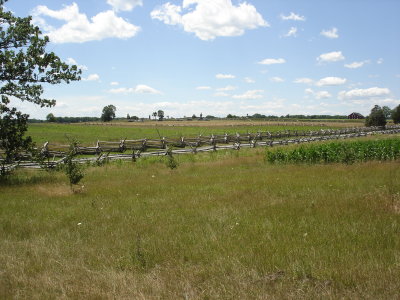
(338, 152)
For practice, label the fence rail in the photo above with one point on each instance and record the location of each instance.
(114, 150)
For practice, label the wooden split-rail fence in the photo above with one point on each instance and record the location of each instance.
(55, 154)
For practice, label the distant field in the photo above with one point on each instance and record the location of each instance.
(89, 133)
(224, 225)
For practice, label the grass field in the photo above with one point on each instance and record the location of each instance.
(89, 133)
(223, 225)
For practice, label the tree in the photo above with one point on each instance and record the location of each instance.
(160, 115)
(155, 115)
(376, 117)
(108, 113)
(24, 67)
(387, 111)
(50, 118)
(396, 114)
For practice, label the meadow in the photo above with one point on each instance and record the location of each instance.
(223, 225)
(89, 133)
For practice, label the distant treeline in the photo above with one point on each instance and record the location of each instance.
(208, 117)
(66, 120)
(308, 117)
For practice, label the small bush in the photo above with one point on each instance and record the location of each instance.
(73, 169)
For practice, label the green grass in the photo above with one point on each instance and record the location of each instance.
(222, 225)
(89, 134)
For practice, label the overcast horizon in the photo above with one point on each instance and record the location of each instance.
(219, 57)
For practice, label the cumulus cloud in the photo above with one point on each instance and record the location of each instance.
(249, 80)
(210, 19)
(79, 29)
(203, 88)
(331, 81)
(114, 83)
(304, 80)
(71, 61)
(92, 77)
(225, 76)
(379, 61)
(331, 33)
(276, 79)
(356, 64)
(251, 94)
(364, 93)
(318, 94)
(139, 89)
(272, 61)
(293, 17)
(330, 57)
(145, 89)
(292, 32)
(124, 5)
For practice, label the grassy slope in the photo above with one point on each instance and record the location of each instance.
(89, 134)
(218, 227)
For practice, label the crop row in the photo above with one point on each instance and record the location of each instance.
(338, 152)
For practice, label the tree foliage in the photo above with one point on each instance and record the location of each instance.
(387, 111)
(396, 114)
(160, 115)
(376, 117)
(108, 113)
(25, 67)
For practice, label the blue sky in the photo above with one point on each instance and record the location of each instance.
(221, 56)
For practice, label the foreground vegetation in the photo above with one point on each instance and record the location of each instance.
(222, 225)
(338, 152)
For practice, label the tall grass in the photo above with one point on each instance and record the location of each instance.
(223, 226)
(338, 152)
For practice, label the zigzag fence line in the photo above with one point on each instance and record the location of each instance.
(106, 150)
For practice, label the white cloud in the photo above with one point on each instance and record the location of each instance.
(221, 94)
(331, 34)
(318, 94)
(249, 80)
(92, 77)
(79, 29)
(356, 64)
(139, 89)
(114, 83)
(322, 95)
(331, 57)
(292, 32)
(293, 17)
(227, 88)
(251, 94)
(331, 81)
(276, 79)
(71, 61)
(379, 61)
(364, 93)
(225, 76)
(203, 88)
(145, 89)
(304, 80)
(272, 61)
(124, 5)
(210, 19)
